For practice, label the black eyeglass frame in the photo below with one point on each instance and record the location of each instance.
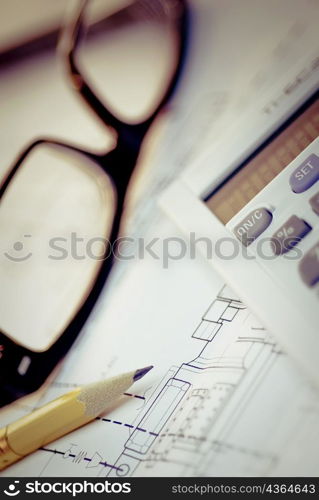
(14, 385)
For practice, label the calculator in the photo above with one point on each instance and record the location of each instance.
(255, 197)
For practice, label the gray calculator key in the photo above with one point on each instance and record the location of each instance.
(304, 176)
(314, 203)
(253, 225)
(289, 234)
(309, 266)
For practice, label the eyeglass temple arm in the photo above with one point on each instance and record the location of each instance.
(67, 46)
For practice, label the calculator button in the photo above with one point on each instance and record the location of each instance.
(309, 266)
(305, 175)
(253, 225)
(289, 234)
(314, 203)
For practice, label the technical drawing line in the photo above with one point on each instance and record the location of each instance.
(160, 435)
(250, 391)
(71, 455)
(127, 425)
(56, 452)
(241, 449)
(50, 458)
(134, 395)
(114, 467)
(56, 383)
(220, 367)
(254, 340)
(191, 368)
(181, 436)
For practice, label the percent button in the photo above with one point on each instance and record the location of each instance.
(289, 235)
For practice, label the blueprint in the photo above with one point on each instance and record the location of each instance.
(222, 399)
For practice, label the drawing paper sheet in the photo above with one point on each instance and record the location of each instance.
(222, 399)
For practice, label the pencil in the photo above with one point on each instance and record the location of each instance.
(61, 416)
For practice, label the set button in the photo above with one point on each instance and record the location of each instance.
(305, 175)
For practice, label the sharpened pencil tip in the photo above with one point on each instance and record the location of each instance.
(141, 372)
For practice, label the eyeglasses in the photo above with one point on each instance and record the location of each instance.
(57, 194)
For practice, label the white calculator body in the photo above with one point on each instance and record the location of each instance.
(255, 195)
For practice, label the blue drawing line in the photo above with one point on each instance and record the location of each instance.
(71, 455)
(126, 425)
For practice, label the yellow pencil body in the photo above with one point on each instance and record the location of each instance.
(41, 427)
(61, 416)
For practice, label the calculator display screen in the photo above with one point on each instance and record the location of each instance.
(249, 179)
